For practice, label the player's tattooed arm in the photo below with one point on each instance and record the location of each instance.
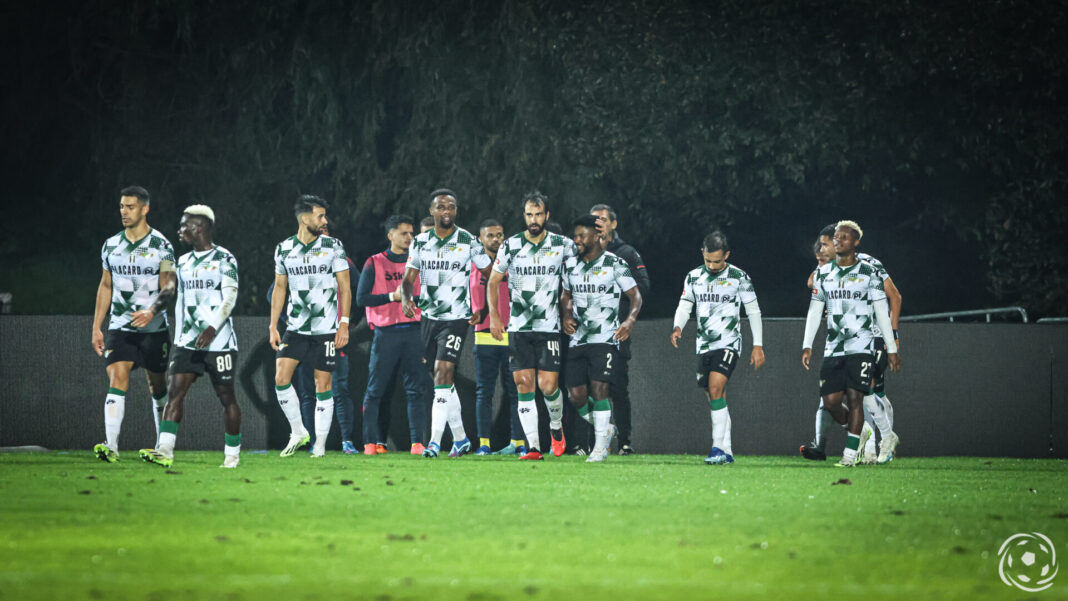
(635, 297)
(407, 285)
(567, 317)
(493, 295)
(103, 303)
(168, 287)
(278, 299)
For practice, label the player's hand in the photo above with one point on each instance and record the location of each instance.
(341, 338)
(676, 335)
(477, 316)
(570, 325)
(98, 342)
(624, 330)
(895, 362)
(396, 296)
(141, 318)
(275, 338)
(408, 307)
(496, 326)
(756, 358)
(206, 337)
(806, 356)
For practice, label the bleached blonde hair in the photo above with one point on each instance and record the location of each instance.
(852, 225)
(202, 210)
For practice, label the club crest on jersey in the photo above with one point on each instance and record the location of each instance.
(723, 282)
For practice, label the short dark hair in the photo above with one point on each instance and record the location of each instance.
(554, 227)
(536, 198)
(816, 246)
(443, 192)
(427, 221)
(395, 221)
(136, 191)
(589, 220)
(306, 203)
(828, 230)
(489, 223)
(604, 207)
(717, 240)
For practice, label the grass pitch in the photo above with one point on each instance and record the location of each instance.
(402, 527)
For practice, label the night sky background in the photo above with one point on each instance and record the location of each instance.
(940, 127)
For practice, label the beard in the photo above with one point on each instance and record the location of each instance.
(534, 228)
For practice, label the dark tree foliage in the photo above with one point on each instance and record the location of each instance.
(927, 121)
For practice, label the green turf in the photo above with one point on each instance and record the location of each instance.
(402, 527)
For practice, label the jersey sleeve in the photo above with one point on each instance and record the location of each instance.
(876, 292)
(166, 257)
(104, 258)
(279, 266)
(570, 250)
(687, 290)
(746, 293)
(228, 266)
(413, 255)
(565, 281)
(478, 254)
(817, 287)
(504, 256)
(623, 277)
(340, 262)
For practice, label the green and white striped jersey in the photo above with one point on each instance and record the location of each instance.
(312, 271)
(717, 298)
(534, 273)
(850, 294)
(201, 279)
(135, 269)
(444, 267)
(595, 289)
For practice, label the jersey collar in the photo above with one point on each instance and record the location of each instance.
(305, 247)
(132, 245)
(588, 266)
(434, 234)
(716, 273)
(538, 245)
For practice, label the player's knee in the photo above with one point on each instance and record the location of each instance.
(577, 397)
(547, 381)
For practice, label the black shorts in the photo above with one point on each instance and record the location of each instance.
(146, 349)
(534, 350)
(720, 361)
(882, 361)
(316, 350)
(219, 365)
(443, 340)
(590, 362)
(849, 371)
